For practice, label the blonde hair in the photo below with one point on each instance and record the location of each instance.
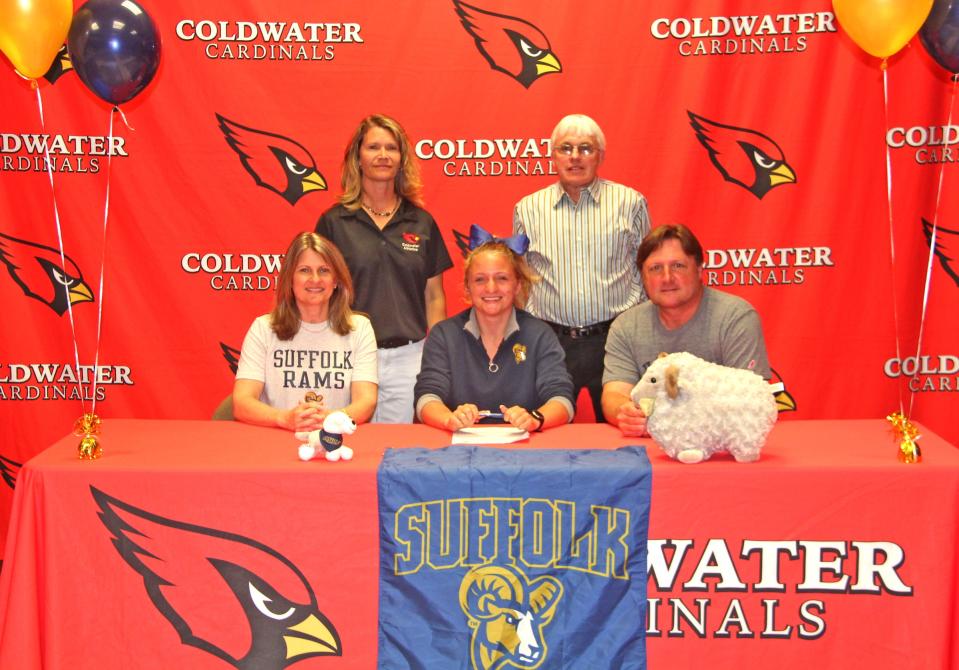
(521, 269)
(407, 183)
(285, 317)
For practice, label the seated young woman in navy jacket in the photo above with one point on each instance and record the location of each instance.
(494, 357)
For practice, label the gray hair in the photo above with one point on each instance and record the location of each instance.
(578, 124)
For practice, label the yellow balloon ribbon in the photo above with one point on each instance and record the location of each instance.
(881, 27)
(32, 32)
(907, 435)
(88, 427)
(89, 448)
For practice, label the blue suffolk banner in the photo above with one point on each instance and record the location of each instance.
(509, 558)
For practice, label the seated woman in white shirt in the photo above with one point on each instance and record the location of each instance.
(312, 354)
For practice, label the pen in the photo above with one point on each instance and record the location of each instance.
(491, 415)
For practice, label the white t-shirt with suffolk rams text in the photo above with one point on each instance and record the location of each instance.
(316, 359)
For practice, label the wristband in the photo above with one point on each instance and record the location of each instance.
(536, 414)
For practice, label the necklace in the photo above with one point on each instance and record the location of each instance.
(493, 367)
(372, 211)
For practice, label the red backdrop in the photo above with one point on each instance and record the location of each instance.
(193, 233)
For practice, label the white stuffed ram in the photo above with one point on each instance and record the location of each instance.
(695, 408)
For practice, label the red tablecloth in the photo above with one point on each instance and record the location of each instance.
(826, 553)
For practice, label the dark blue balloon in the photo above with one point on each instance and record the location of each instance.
(114, 48)
(940, 34)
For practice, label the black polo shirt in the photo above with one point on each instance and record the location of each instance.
(390, 266)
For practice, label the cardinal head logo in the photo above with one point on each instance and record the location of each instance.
(743, 156)
(509, 44)
(231, 355)
(60, 66)
(43, 275)
(275, 162)
(9, 469)
(946, 248)
(784, 399)
(462, 242)
(190, 571)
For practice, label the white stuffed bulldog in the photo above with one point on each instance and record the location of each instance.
(329, 439)
(696, 408)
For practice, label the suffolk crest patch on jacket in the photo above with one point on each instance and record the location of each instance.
(492, 559)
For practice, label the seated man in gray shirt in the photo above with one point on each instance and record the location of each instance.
(682, 314)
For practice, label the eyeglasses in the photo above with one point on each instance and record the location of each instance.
(583, 149)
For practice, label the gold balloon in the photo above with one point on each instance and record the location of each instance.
(881, 27)
(32, 32)
(88, 424)
(89, 449)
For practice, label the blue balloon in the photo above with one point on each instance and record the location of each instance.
(114, 48)
(940, 34)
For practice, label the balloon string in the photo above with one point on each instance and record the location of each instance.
(116, 108)
(103, 264)
(63, 260)
(932, 247)
(892, 242)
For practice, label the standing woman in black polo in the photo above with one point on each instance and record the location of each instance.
(395, 253)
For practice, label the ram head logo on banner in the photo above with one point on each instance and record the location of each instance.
(508, 613)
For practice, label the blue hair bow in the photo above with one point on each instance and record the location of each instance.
(517, 243)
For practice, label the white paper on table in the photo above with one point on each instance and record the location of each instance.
(489, 435)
